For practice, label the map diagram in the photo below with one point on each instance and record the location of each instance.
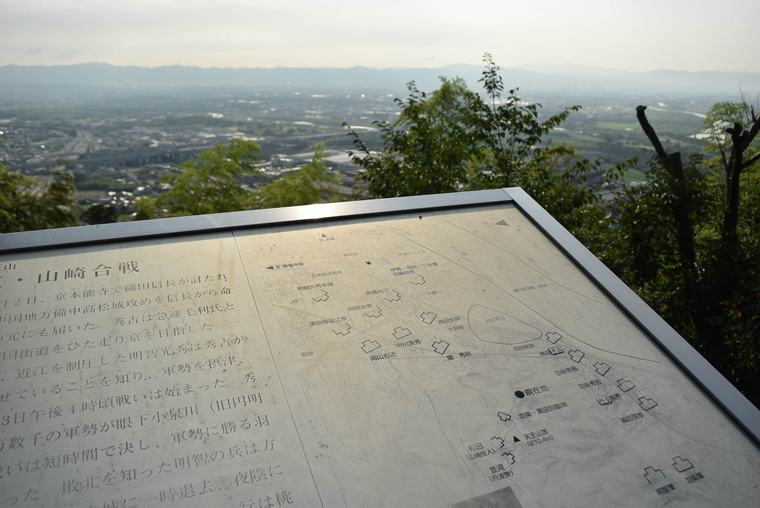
(454, 358)
(496, 360)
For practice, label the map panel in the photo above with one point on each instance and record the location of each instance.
(455, 358)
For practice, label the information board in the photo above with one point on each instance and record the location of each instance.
(452, 357)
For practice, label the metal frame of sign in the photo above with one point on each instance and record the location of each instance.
(717, 387)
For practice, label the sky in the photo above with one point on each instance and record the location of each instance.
(632, 35)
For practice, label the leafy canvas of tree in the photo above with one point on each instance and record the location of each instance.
(29, 204)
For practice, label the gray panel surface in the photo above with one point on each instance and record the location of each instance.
(433, 357)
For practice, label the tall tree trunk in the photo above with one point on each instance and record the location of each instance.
(699, 311)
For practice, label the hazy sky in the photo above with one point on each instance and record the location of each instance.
(619, 34)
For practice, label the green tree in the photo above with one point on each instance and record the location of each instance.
(510, 133)
(99, 213)
(145, 208)
(210, 182)
(569, 187)
(427, 148)
(30, 204)
(455, 139)
(313, 183)
(688, 242)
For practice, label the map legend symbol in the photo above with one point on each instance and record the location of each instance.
(680, 464)
(417, 280)
(646, 403)
(341, 329)
(428, 317)
(601, 368)
(625, 385)
(323, 297)
(652, 475)
(440, 346)
(395, 296)
(370, 345)
(510, 457)
(400, 332)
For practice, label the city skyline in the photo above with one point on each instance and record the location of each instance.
(631, 36)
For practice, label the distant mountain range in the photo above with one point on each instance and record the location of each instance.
(566, 80)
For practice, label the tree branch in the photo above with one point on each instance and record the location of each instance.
(751, 161)
(681, 207)
(651, 134)
(752, 132)
(722, 152)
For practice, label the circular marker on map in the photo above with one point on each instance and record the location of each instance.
(519, 394)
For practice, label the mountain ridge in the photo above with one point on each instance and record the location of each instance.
(564, 78)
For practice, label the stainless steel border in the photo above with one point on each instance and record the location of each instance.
(125, 231)
(718, 388)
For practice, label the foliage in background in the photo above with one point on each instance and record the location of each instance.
(689, 243)
(28, 204)
(144, 209)
(427, 148)
(99, 213)
(310, 184)
(209, 183)
(455, 139)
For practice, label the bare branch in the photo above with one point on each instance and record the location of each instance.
(752, 132)
(650, 133)
(722, 152)
(675, 165)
